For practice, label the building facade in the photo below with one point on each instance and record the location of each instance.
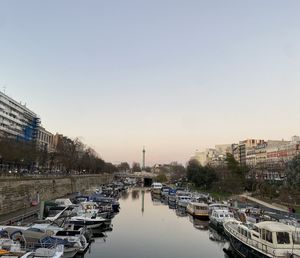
(16, 120)
(45, 140)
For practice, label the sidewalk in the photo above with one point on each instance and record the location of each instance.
(265, 204)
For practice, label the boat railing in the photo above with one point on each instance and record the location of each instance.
(23, 246)
(257, 244)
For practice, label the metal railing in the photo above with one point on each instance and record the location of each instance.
(20, 218)
(257, 244)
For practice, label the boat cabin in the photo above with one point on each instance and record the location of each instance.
(221, 215)
(156, 187)
(198, 209)
(268, 237)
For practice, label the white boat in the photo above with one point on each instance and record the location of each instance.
(165, 191)
(183, 201)
(199, 210)
(63, 202)
(76, 237)
(217, 218)
(10, 246)
(156, 188)
(56, 252)
(43, 236)
(264, 239)
(217, 206)
(89, 221)
(180, 194)
(90, 208)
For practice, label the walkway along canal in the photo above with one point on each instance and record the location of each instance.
(147, 228)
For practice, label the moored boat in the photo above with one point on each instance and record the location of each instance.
(165, 191)
(199, 210)
(264, 239)
(55, 252)
(156, 188)
(183, 201)
(172, 196)
(218, 217)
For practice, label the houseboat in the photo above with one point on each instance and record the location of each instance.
(198, 210)
(156, 188)
(264, 239)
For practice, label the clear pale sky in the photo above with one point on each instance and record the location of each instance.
(174, 76)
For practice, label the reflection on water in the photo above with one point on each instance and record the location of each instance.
(135, 194)
(180, 212)
(198, 223)
(215, 236)
(124, 195)
(151, 227)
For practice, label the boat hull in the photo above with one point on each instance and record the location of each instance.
(198, 215)
(244, 250)
(216, 225)
(70, 252)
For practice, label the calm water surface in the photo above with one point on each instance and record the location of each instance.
(158, 230)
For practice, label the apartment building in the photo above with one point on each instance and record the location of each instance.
(45, 139)
(284, 152)
(16, 120)
(205, 157)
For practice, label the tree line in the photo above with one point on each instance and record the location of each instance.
(231, 178)
(234, 178)
(69, 156)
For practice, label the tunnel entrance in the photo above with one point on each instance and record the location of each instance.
(147, 182)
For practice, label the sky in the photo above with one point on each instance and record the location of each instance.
(171, 75)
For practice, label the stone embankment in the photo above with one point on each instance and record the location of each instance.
(18, 193)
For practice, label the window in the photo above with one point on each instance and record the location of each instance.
(296, 237)
(283, 238)
(263, 234)
(269, 236)
(249, 234)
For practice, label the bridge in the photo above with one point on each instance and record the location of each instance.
(146, 177)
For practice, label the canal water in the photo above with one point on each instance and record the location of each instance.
(146, 227)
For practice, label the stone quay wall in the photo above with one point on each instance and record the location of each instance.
(17, 193)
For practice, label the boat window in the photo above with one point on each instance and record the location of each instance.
(263, 234)
(269, 236)
(283, 237)
(221, 215)
(35, 230)
(243, 232)
(249, 234)
(296, 237)
(255, 229)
